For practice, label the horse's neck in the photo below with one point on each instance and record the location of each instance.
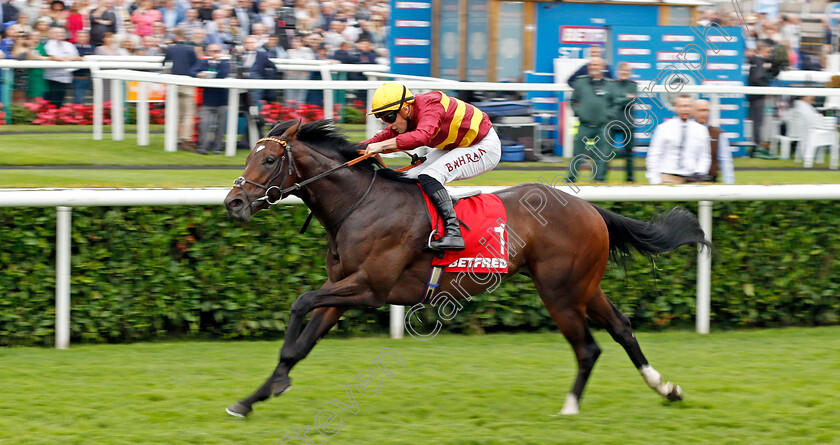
(335, 197)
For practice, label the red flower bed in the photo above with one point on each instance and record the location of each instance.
(2, 115)
(71, 114)
(277, 112)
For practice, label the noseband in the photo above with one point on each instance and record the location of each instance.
(292, 169)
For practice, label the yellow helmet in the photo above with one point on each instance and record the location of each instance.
(390, 96)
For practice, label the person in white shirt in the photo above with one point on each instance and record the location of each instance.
(679, 149)
(806, 114)
(721, 152)
(58, 79)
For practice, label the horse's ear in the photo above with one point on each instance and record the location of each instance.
(292, 131)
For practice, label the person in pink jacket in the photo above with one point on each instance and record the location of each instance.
(143, 17)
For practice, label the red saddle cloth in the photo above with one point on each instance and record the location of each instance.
(484, 230)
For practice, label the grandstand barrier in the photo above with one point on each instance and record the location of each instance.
(65, 199)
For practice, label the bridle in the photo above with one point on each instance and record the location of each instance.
(292, 170)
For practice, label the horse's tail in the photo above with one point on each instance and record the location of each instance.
(664, 233)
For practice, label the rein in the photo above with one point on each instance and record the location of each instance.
(292, 169)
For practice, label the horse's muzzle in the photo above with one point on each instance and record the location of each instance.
(237, 208)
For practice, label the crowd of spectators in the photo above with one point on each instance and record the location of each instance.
(344, 31)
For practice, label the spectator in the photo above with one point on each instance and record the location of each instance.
(172, 14)
(183, 58)
(298, 51)
(7, 43)
(159, 31)
(102, 20)
(260, 33)
(58, 13)
(81, 78)
(791, 34)
(622, 111)
(123, 17)
(143, 17)
(30, 8)
(75, 21)
(205, 12)
(265, 16)
(191, 22)
(20, 51)
(58, 79)
(679, 148)
(806, 115)
(595, 52)
(378, 31)
(37, 87)
(591, 102)
(366, 52)
(215, 101)
(721, 154)
(333, 38)
(242, 11)
(274, 49)
(256, 65)
(218, 30)
(758, 76)
(128, 45)
(346, 53)
(197, 38)
(42, 27)
(151, 46)
(108, 46)
(21, 28)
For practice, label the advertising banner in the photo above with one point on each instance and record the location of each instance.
(449, 41)
(411, 37)
(509, 45)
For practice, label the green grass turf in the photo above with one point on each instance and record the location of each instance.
(761, 386)
(77, 148)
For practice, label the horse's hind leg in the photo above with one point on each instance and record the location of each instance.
(603, 311)
(572, 323)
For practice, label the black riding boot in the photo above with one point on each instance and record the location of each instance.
(451, 239)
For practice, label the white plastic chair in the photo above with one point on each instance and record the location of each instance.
(781, 143)
(818, 140)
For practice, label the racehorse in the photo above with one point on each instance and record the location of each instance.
(377, 230)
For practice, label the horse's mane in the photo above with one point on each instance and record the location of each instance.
(326, 136)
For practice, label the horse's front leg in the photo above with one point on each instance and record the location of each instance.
(345, 293)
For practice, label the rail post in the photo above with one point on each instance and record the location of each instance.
(704, 269)
(62, 276)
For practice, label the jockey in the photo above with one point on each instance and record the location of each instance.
(466, 145)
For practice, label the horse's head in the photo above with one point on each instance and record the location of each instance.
(269, 169)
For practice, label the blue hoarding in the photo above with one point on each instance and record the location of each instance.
(449, 40)
(411, 37)
(677, 55)
(477, 40)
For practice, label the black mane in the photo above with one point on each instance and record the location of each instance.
(326, 136)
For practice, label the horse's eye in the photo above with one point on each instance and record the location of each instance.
(270, 160)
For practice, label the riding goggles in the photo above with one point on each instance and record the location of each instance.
(389, 117)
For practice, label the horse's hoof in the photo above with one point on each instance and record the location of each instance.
(238, 410)
(281, 387)
(675, 395)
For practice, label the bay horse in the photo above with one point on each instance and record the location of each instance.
(377, 230)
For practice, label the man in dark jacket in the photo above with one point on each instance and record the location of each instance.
(625, 90)
(8, 13)
(759, 76)
(592, 102)
(182, 56)
(214, 105)
(256, 65)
